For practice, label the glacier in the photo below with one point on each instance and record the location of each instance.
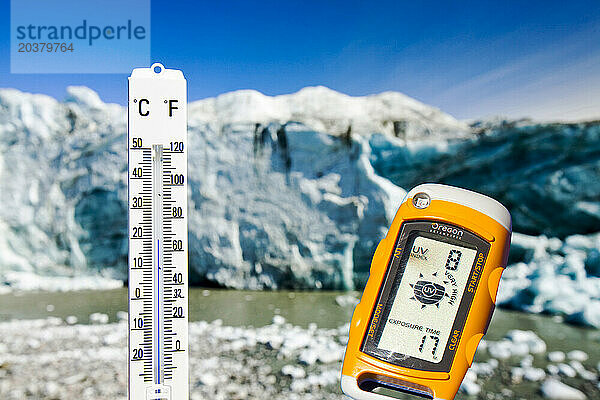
(545, 173)
(295, 191)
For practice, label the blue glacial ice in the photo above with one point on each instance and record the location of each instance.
(295, 191)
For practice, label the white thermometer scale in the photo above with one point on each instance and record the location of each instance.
(158, 248)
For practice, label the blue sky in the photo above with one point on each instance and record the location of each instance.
(470, 59)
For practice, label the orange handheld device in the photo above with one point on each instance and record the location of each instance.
(430, 295)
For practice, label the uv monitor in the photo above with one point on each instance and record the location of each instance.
(430, 295)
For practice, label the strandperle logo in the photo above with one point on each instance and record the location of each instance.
(74, 36)
(85, 31)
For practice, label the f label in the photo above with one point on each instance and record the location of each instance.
(172, 107)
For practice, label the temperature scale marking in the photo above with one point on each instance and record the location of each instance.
(158, 263)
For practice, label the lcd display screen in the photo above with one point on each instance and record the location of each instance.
(427, 301)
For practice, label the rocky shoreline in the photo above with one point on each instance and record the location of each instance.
(57, 358)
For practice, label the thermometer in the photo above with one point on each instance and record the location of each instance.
(158, 255)
(430, 295)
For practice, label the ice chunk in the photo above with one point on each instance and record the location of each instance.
(566, 370)
(577, 355)
(346, 300)
(534, 344)
(534, 374)
(470, 388)
(556, 356)
(294, 371)
(98, 318)
(556, 390)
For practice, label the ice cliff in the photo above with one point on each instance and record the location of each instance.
(291, 191)
(546, 174)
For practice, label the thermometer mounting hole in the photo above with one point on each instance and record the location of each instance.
(157, 68)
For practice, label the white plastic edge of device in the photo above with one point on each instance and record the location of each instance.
(474, 200)
(156, 70)
(350, 388)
